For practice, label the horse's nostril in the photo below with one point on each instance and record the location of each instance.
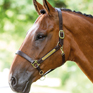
(13, 81)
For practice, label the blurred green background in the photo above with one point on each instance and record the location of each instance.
(17, 16)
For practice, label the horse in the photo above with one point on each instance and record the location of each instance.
(57, 36)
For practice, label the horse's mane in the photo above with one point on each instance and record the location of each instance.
(78, 12)
(64, 9)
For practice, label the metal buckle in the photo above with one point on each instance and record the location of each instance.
(35, 64)
(62, 37)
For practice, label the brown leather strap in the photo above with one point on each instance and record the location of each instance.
(60, 26)
(25, 56)
(60, 19)
(61, 32)
(38, 61)
(56, 49)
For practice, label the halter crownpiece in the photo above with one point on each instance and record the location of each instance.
(36, 63)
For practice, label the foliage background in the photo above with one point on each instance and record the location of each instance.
(17, 16)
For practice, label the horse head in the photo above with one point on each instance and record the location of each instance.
(41, 38)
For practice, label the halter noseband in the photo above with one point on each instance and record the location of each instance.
(36, 63)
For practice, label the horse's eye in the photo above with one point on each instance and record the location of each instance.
(40, 37)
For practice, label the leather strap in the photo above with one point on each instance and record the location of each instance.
(60, 26)
(48, 54)
(61, 33)
(60, 19)
(25, 56)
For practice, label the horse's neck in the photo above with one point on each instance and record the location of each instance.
(81, 42)
(90, 19)
(87, 18)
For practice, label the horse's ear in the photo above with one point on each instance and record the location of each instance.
(38, 6)
(49, 9)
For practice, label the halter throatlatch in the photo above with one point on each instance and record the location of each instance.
(36, 63)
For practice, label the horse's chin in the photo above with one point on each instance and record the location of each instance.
(26, 88)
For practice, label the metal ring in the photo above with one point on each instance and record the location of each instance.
(41, 72)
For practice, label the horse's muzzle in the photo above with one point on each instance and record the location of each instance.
(19, 85)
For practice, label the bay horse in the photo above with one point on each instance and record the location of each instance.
(56, 37)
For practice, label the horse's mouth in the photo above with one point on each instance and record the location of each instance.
(26, 88)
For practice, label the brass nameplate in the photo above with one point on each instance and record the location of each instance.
(49, 54)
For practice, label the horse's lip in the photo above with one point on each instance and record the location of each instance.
(26, 88)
